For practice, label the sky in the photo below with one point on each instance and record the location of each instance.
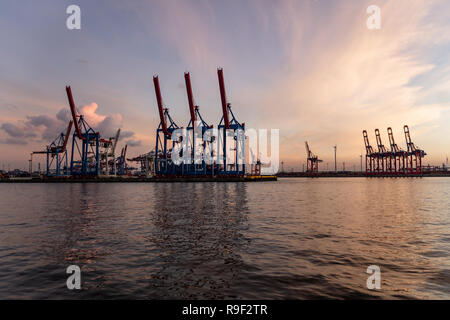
(310, 68)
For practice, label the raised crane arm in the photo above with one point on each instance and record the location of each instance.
(223, 98)
(369, 149)
(381, 147)
(160, 106)
(187, 79)
(409, 143)
(74, 112)
(113, 149)
(66, 137)
(308, 152)
(394, 146)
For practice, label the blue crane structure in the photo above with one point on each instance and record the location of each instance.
(163, 152)
(195, 163)
(237, 130)
(187, 148)
(84, 161)
(57, 162)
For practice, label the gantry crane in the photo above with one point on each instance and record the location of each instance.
(108, 156)
(312, 166)
(399, 156)
(122, 161)
(415, 154)
(56, 154)
(84, 161)
(230, 128)
(163, 159)
(371, 155)
(384, 160)
(195, 163)
(146, 162)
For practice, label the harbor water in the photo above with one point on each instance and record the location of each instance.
(295, 238)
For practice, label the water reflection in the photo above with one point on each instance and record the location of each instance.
(200, 245)
(292, 239)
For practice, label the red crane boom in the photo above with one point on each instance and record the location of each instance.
(160, 106)
(223, 97)
(74, 112)
(187, 79)
(66, 137)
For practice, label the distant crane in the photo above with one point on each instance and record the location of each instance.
(108, 154)
(415, 154)
(312, 165)
(384, 160)
(399, 156)
(371, 155)
(147, 163)
(122, 162)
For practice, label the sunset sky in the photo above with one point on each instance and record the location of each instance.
(310, 68)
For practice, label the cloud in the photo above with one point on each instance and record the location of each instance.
(45, 128)
(106, 125)
(14, 141)
(126, 134)
(63, 115)
(18, 131)
(134, 143)
(343, 78)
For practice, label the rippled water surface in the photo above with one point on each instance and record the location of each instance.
(290, 239)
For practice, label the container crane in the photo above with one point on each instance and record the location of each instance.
(415, 154)
(399, 156)
(84, 161)
(312, 166)
(371, 155)
(57, 154)
(146, 162)
(108, 154)
(384, 156)
(163, 159)
(122, 161)
(196, 128)
(238, 130)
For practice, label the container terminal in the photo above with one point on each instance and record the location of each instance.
(92, 158)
